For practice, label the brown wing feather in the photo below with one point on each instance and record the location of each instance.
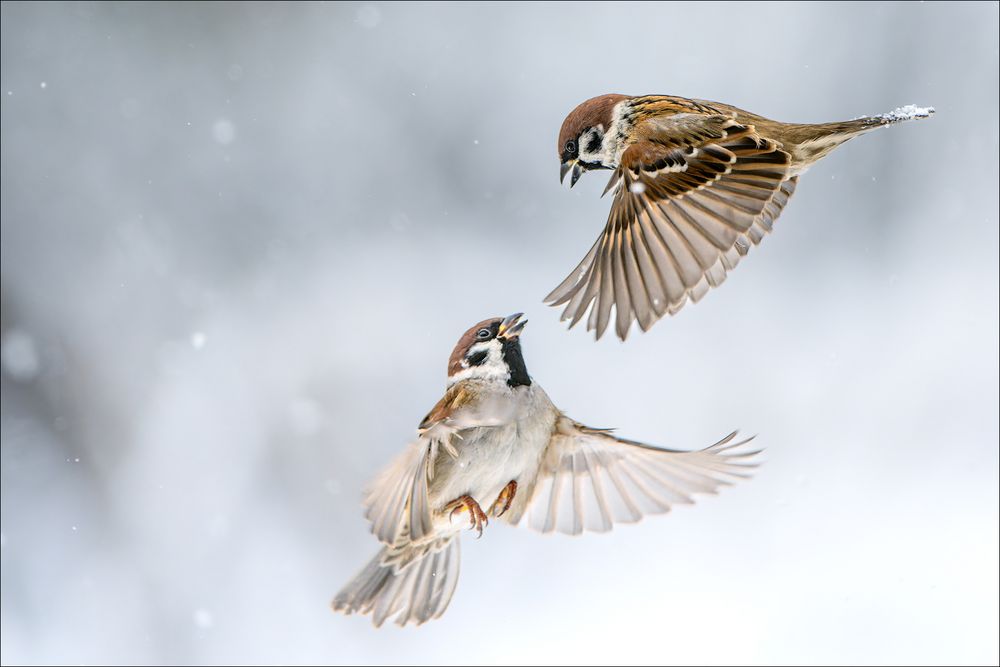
(457, 396)
(691, 197)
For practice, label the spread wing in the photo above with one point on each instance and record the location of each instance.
(397, 501)
(590, 480)
(387, 498)
(691, 197)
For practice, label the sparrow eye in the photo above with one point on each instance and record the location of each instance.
(571, 146)
(483, 334)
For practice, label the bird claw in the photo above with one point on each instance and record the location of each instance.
(477, 518)
(504, 500)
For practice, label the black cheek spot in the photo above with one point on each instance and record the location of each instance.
(594, 143)
(477, 358)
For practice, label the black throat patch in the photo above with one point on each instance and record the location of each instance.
(515, 362)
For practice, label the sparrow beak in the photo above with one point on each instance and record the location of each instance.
(563, 170)
(511, 326)
(577, 171)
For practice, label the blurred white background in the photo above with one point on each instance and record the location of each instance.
(240, 241)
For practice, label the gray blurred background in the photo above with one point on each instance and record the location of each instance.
(240, 241)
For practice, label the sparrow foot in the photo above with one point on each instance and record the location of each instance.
(477, 518)
(504, 500)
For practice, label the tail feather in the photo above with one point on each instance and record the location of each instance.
(909, 112)
(812, 142)
(414, 592)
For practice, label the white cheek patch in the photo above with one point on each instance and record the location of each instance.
(492, 368)
(614, 139)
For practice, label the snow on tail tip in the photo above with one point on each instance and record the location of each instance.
(909, 112)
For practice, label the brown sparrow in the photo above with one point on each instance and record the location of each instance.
(696, 183)
(496, 441)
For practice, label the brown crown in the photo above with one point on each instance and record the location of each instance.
(466, 341)
(595, 111)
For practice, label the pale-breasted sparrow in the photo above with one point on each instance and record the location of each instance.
(496, 441)
(696, 184)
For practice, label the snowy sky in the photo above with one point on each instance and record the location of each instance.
(240, 241)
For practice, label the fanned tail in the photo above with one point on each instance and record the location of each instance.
(414, 584)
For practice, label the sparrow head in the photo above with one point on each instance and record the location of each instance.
(491, 350)
(581, 139)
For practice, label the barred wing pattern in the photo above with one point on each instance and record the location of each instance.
(690, 200)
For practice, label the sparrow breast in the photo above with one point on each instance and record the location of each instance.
(489, 457)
